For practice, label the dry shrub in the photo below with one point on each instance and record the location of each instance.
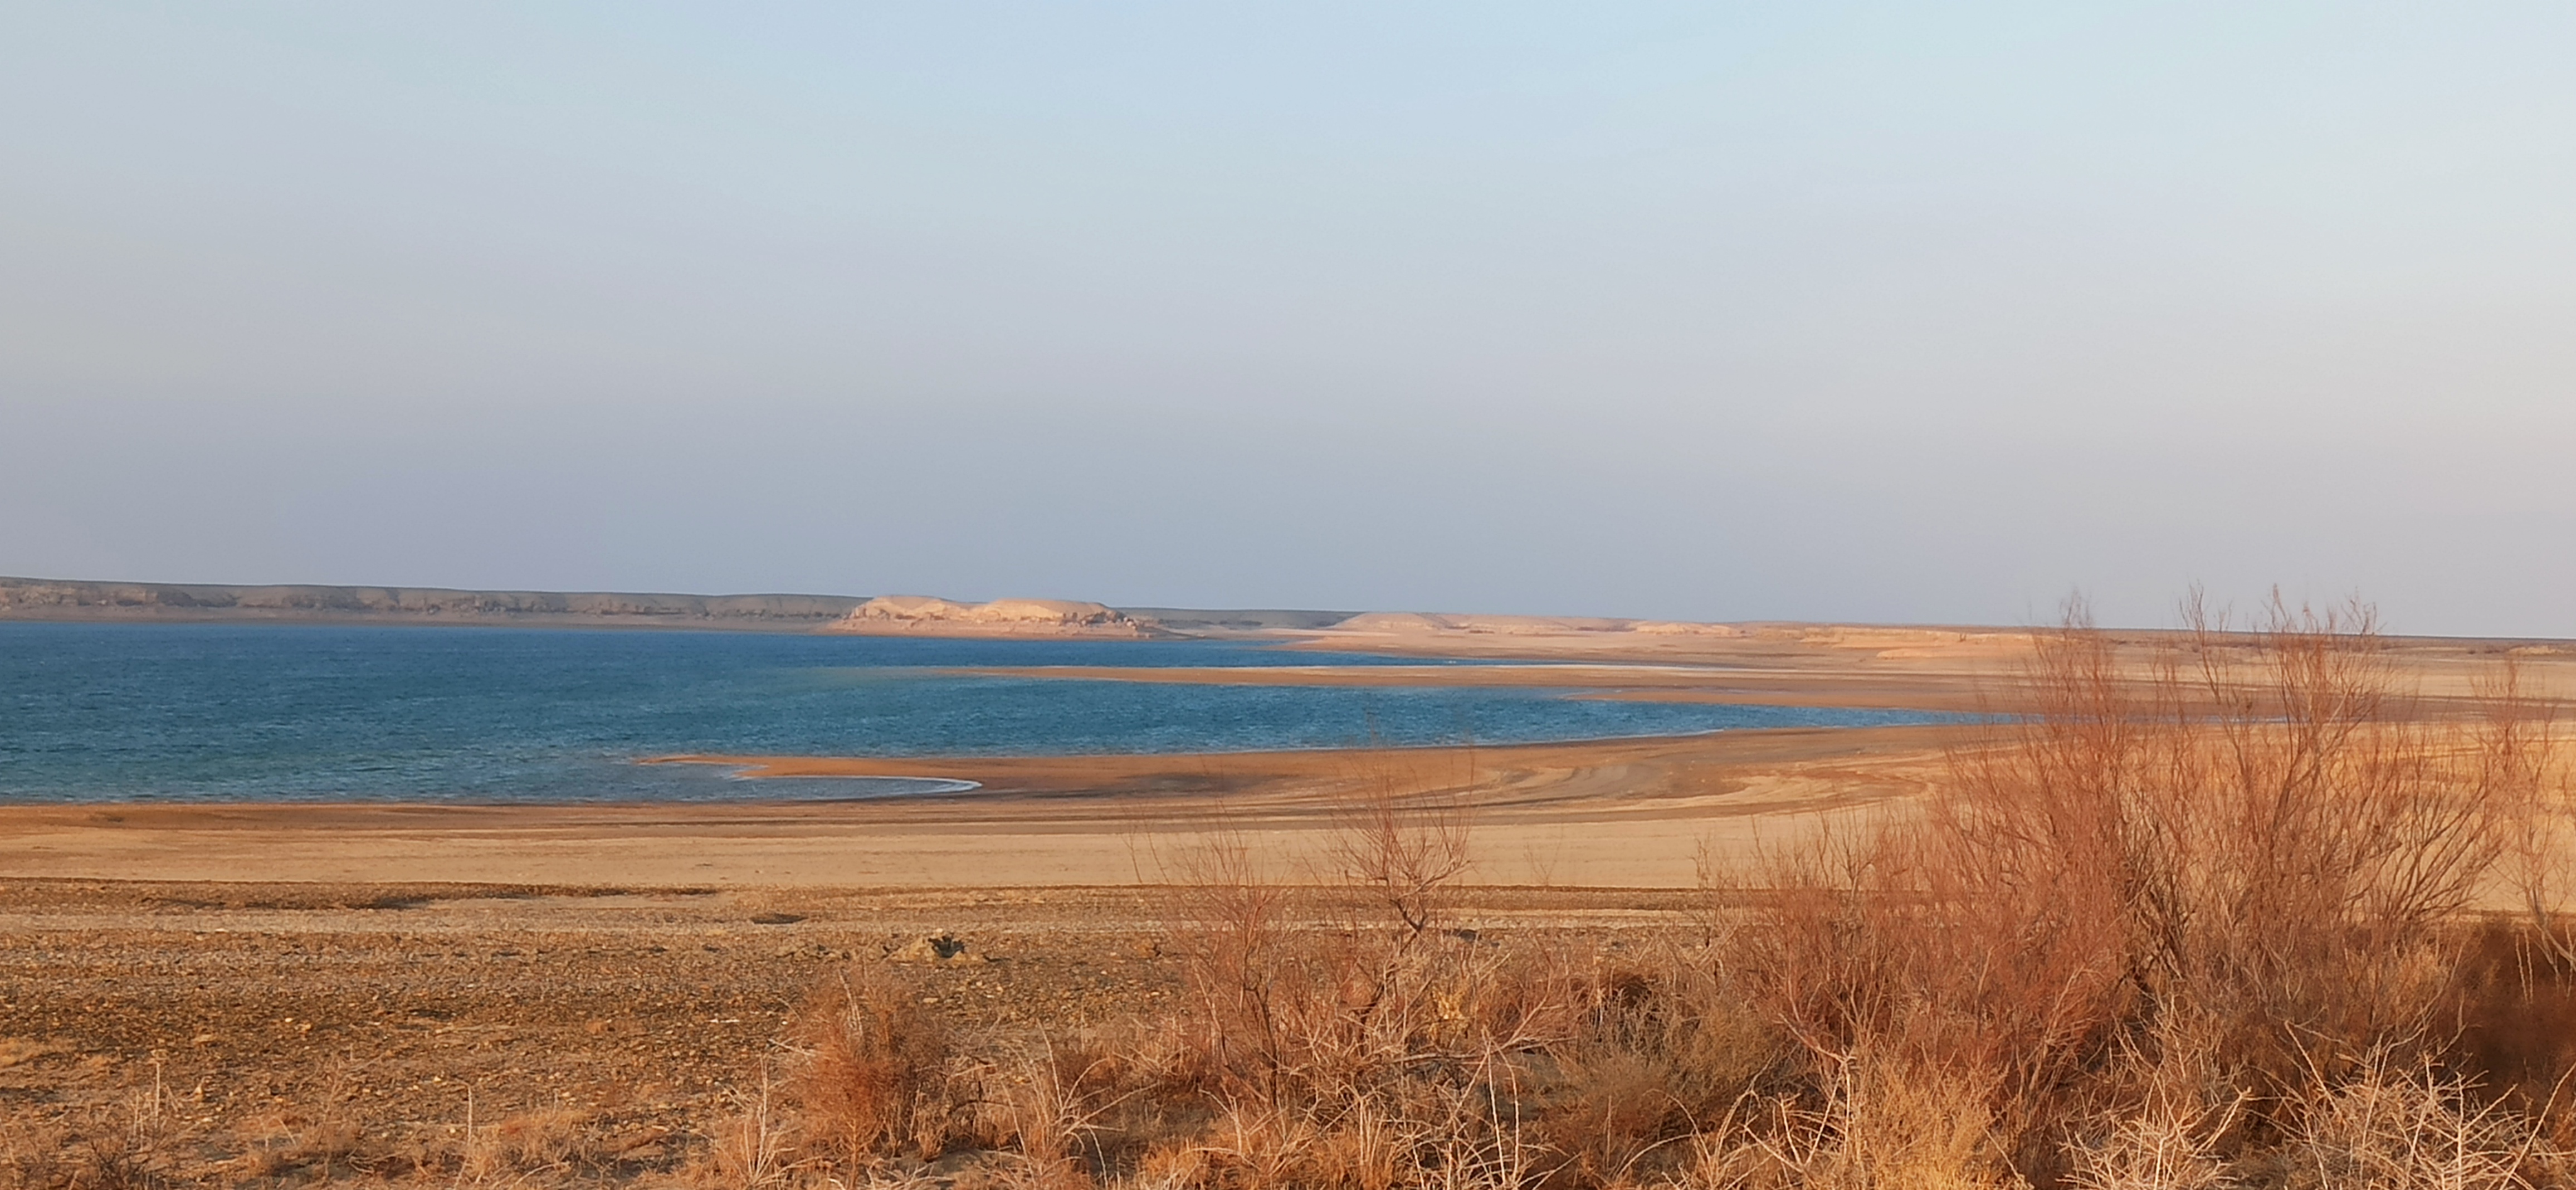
(751, 1149)
(1880, 1125)
(2520, 755)
(875, 1078)
(1344, 1034)
(1660, 1051)
(2516, 1008)
(143, 1141)
(1052, 1106)
(2264, 831)
(324, 1137)
(2154, 1150)
(2387, 1128)
(80, 1154)
(1370, 1059)
(1400, 835)
(1236, 948)
(1284, 1013)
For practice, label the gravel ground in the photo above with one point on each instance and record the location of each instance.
(222, 1033)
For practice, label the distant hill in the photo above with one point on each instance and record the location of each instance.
(58, 599)
(76, 599)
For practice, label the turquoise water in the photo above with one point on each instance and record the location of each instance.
(196, 712)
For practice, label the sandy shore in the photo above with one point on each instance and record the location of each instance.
(1635, 813)
(1622, 813)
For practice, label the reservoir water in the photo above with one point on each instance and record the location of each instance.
(224, 712)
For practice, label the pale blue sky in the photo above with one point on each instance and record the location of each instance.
(1905, 312)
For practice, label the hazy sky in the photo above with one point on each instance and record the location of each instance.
(1907, 312)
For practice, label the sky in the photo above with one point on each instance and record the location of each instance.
(1899, 313)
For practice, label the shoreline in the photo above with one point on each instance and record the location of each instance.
(1630, 813)
(1622, 811)
(1941, 692)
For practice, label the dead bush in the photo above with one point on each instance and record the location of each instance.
(1400, 835)
(875, 1077)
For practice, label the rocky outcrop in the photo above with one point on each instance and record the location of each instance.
(925, 615)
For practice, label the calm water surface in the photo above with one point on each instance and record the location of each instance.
(299, 712)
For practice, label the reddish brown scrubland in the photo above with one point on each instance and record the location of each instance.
(2225, 908)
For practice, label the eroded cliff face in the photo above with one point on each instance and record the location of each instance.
(925, 615)
(54, 599)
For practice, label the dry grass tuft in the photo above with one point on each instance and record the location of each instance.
(751, 1149)
(544, 1140)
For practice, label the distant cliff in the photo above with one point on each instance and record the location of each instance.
(53, 599)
